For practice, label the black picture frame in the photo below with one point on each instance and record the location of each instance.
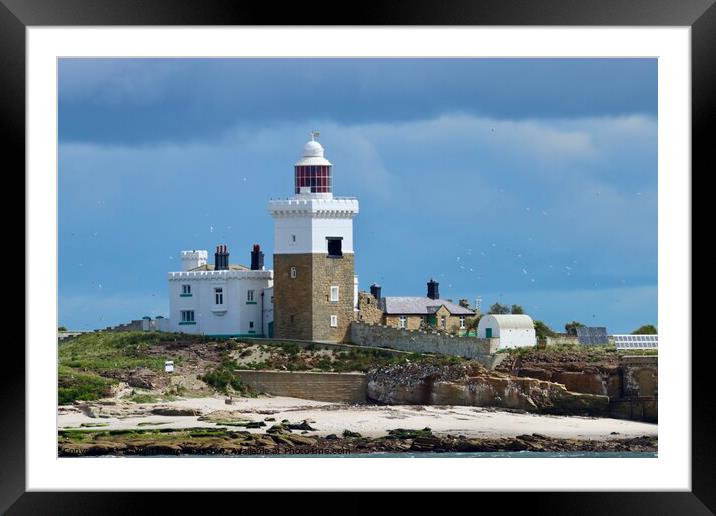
(700, 15)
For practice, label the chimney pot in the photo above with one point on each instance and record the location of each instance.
(433, 291)
(221, 258)
(257, 258)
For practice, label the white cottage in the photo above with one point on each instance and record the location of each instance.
(513, 330)
(221, 299)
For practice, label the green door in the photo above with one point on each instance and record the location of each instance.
(488, 333)
(270, 330)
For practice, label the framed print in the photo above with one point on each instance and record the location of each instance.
(413, 249)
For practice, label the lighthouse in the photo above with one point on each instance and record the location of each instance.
(314, 260)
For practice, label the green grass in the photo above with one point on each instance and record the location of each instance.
(404, 433)
(143, 398)
(78, 386)
(324, 364)
(257, 366)
(366, 359)
(223, 379)
(348, 360)
(85, 361)
(639, 352)
(290, 348)
(106, 351)
(592, 354)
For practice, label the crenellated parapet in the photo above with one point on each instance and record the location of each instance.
(313, 206)
(223, 274)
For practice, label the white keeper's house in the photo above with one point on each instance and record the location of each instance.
(221, 299)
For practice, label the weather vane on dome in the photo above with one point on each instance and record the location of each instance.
(314, 135)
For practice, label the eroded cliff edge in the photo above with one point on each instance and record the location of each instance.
(473, 384)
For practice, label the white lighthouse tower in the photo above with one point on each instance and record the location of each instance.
(314, 265)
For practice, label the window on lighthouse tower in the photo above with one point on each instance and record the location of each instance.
(334, 247)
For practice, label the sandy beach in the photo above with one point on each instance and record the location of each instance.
(368, 420)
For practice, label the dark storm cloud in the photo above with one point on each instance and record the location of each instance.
(141, 101)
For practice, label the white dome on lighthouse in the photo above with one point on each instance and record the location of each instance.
(313, 149)
(313, 153)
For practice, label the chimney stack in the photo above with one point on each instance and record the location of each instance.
(433, 292)
(464, 303)
(375, 291)
(221, 258)
(257, 258)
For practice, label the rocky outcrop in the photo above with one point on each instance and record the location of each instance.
(110, 409)
(175, 411)
(589, 380)
(139, 377)
(144, 378)
(472, 384)
(227, 442)
(631, 382)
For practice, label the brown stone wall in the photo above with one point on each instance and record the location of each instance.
(368, 309)
(453, 323)
(328, 272)
(638, 409)
(293, 308)
(335, 387)
(418, 341)
(307, 297)
(412, 322)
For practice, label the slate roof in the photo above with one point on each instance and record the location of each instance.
(421, 306)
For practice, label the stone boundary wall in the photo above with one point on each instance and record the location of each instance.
(418, 341)
(565, 339)
(65, 335)
(134, 325)
(561, 339)
(637, 409)
(640, 360)
(337, 346)
(334, 387)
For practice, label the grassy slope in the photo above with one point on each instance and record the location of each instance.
(85, 360)
(570, 353)
(285, 356)
(88, 364)
(291, 357)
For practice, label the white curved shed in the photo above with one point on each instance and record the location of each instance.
(513, 330)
